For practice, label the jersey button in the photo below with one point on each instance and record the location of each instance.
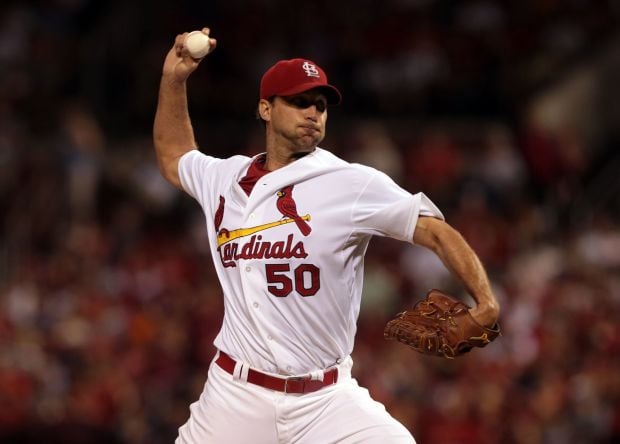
(270, 337)
(255, 304)
(252, 216)
(248, 269)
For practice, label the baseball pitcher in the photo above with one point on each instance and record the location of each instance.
(288, 230)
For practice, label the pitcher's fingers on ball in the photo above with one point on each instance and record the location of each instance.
(179, 44)
(212, 41)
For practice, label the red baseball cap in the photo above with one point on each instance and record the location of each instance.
(294, 76)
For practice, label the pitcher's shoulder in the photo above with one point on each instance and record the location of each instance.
(329, 158)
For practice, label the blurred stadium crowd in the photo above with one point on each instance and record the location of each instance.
(109, 302)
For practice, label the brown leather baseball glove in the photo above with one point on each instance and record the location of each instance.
(440, 325)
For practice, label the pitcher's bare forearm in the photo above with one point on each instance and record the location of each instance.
(462, 261)
(173, 134)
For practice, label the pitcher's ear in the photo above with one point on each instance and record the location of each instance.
(264, 109)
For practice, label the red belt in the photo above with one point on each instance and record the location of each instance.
(293, 384)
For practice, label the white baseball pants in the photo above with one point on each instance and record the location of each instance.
(236, 412)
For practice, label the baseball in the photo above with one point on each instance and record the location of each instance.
(197, 44)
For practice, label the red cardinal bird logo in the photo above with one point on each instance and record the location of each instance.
(219, 215)
(286, 205)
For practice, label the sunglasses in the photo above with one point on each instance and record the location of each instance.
(302, 102)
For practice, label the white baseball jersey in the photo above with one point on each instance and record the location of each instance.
(290, 256)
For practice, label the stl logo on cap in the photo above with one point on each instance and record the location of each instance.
(310, 69)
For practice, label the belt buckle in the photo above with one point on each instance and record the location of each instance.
(292, 378)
